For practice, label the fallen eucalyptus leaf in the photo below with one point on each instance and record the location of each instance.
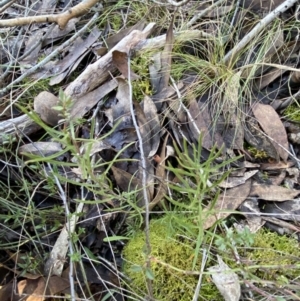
(40, 148)
(231, 182)
(227, 202)
(273, 192)
(226, 281)
(273, 127)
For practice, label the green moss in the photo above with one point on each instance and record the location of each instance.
(292, 112)
(172, 258)
(141, 86)
(256, 153)
(274, 255)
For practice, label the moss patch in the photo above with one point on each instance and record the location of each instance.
(274, 255)
(292, 112)
(172, 259)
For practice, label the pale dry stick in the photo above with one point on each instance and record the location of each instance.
(4, 2)
(19, 125)
(257, 29)
(171, 2)
(267, 296)
(50, 56)
(6, 6)
(281, 223)
(198, 287)
(289, 100)
(204, 13)
(237, 7)
(184, 107)
(168, 266)
(144, 183)
(60, 19)
(292, 294)
(98, 72)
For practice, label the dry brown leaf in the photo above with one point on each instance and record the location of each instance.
(160, 175)
(166, 58)
(276, 165)
(226, 281)
(267, 78)
(273, 127)
(144, 127)
(258, 139)
(36, 288)
(40, 148)
(122, 109)
(76, 54)
(202, 119)
(227, 202)
(154, 71)
(273, 192)
(113, 40)
(128, 182)
(278, 180)
(120, 60)
(153, 121)
(7, 292)
(85, 103)
(231, 182)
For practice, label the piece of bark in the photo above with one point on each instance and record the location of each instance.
(19, 126)
(95, 74)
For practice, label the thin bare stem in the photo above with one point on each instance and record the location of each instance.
(144, 183)
(198, 287)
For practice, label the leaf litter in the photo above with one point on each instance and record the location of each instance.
(236, 108)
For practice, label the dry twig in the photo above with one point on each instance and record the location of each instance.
(61, 19)
(257, 29)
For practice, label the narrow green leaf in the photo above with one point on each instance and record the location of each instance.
(149, 274)
(136, 268)
(114, 238)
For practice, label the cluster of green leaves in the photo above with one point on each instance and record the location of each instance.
(195, 189)
(242, 238)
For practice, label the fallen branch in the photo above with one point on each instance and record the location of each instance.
(17, 126)
(61, 19)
